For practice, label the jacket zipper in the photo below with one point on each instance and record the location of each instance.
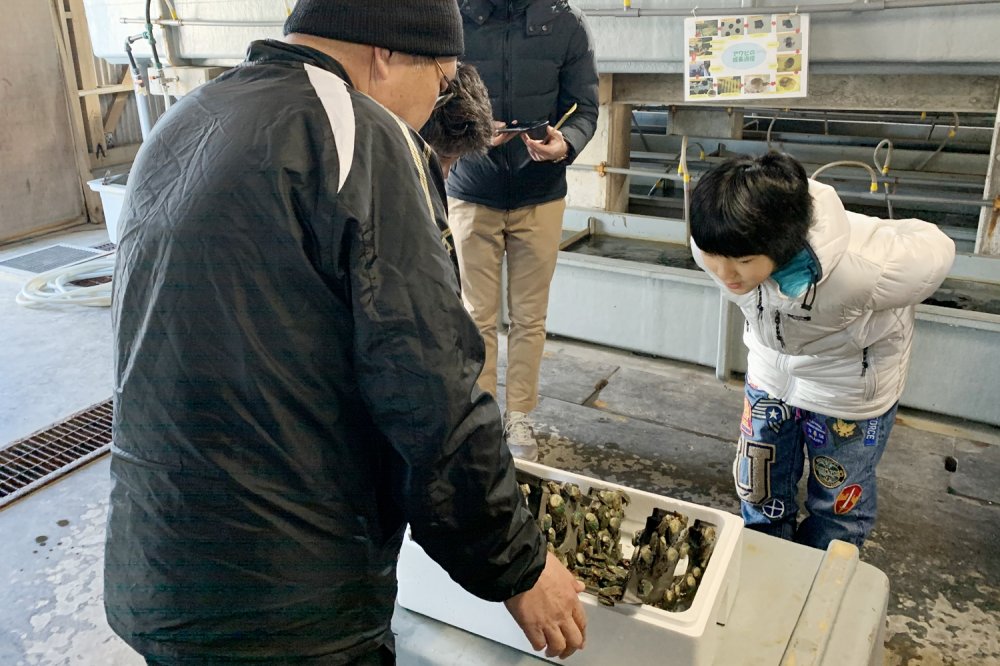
(760, 311)
(764, 325)
(508, 105)
(871, 383)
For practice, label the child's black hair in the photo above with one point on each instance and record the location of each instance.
(748, 206)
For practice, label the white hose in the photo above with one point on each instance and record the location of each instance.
(944, 142)
(54, 288)
(884, 168)
(682, 171)
(845, 163)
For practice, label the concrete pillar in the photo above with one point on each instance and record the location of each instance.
(988, 238)
(610, 146)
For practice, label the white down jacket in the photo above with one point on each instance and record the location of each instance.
(847, 355)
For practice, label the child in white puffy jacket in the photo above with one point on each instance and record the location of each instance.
(829, 299)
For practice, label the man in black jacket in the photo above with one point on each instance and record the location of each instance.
(295, 373)
(537, 62)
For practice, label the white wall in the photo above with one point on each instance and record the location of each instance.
(40, 186)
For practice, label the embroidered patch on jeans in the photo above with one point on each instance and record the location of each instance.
(844, 429)
(772, 411)
(871, 432)
(847, 499)
(773, 508)
(746, 423)
(828, 471)
(815, 432)
(752, 471)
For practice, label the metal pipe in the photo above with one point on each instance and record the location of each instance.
(600, 168)
(918, 198)
(894, 118)
(142, 104)
(911, 178)
(642, 137)
(863, 6)
(178, 23)
(915, 198)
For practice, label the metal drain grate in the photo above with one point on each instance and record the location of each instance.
(48, 258)
(30, 463)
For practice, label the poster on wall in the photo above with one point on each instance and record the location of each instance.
(746, 56)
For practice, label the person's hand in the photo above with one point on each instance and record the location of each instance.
(553, 148)
(550, 614)
(500, 139)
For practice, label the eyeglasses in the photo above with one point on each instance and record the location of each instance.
(446, 95)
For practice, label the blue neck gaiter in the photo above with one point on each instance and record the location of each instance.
(795, 276)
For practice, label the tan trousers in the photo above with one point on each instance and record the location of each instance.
(530, 237)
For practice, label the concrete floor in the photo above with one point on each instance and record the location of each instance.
(652, 424)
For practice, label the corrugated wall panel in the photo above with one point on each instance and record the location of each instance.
(39, 183)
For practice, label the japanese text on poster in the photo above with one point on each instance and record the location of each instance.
(746, 56)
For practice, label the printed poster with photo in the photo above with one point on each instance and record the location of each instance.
(746, 56)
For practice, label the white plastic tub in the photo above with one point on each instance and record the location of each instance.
(112, 191)
(618, 634)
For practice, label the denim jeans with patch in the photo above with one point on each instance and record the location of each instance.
(775, 439)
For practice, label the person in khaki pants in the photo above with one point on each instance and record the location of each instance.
(536, 59)
(530, 238)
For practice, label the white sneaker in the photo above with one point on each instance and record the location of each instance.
(520, 438)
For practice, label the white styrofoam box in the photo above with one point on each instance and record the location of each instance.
(112, 191)
(615, 634)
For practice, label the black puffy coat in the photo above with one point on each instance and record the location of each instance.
(536, 59)
(295, 380)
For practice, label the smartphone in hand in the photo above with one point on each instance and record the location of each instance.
(536, 130)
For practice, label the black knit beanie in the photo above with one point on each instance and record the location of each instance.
(418, 27)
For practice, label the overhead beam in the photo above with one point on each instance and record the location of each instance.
(860, 92)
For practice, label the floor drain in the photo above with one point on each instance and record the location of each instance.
(30, 463)
(48, 258)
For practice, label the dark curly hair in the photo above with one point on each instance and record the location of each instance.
(464, 124)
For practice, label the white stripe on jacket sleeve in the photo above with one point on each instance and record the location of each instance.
(336, 99)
